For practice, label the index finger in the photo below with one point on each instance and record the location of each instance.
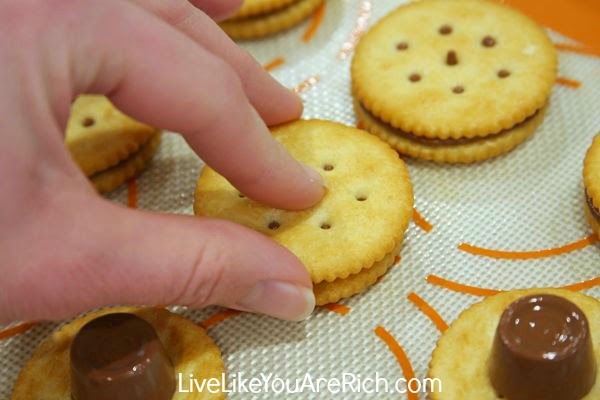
(166, 79)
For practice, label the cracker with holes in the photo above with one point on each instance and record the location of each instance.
(349, 239)
(259, 18)
(453, 81)
(108, 146)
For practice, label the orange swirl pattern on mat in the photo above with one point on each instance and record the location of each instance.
(218, 318)
(16, 330)
(484, 292)
(421, 222)
(576, 49)
(274, 63)
(315, 23)
(570, 83)
(360, 26)
(337, 308)
(429, 311)
(527, 255)
(132, 193)
(401, 357)
(307, 84)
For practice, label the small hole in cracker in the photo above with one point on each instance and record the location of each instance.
(503, 73)
(445, 30)
(458, 89)
(87, 122)
(325, 226)
(402, 46)
(488, 41)
(451, 58)
(241, 196)
(274, 225)
(361, 197)
(328, 167)
(414, 77)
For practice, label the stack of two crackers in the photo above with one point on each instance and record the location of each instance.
(354, 234)
(108, 146)
(454, 82)
(259, 18)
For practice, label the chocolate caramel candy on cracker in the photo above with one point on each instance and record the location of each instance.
(543, 350)
(120, 357)
(47, 375)
(474, 362)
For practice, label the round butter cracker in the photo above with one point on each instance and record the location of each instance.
(99, 136)
(360, 221)
(272, 22)
(454, 69)
(46, 376)
(460, 359)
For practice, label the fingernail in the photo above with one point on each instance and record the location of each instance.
(314, 176)
(279, 299)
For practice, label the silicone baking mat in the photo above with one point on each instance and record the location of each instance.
(515, 221)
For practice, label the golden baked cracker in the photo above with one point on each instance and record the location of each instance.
(270, 23)
(360, 220)
(402, 71)
(474, 151)
(330, 292)
(252, 8)
(113, 177)
(464, 375)
(99, 136)
(46, 376)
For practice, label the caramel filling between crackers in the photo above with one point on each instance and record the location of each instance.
(450, 141)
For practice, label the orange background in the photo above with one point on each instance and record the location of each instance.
(578, 19)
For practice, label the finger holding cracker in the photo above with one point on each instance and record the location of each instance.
(83, 251)
(365, 211)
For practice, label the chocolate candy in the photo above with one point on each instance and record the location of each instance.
(543, 350)
(119, 357)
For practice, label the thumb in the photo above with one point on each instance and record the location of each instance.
(123, 256)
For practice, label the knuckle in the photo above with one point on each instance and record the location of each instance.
(200, 284)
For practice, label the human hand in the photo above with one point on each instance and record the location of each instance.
(65, 249)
